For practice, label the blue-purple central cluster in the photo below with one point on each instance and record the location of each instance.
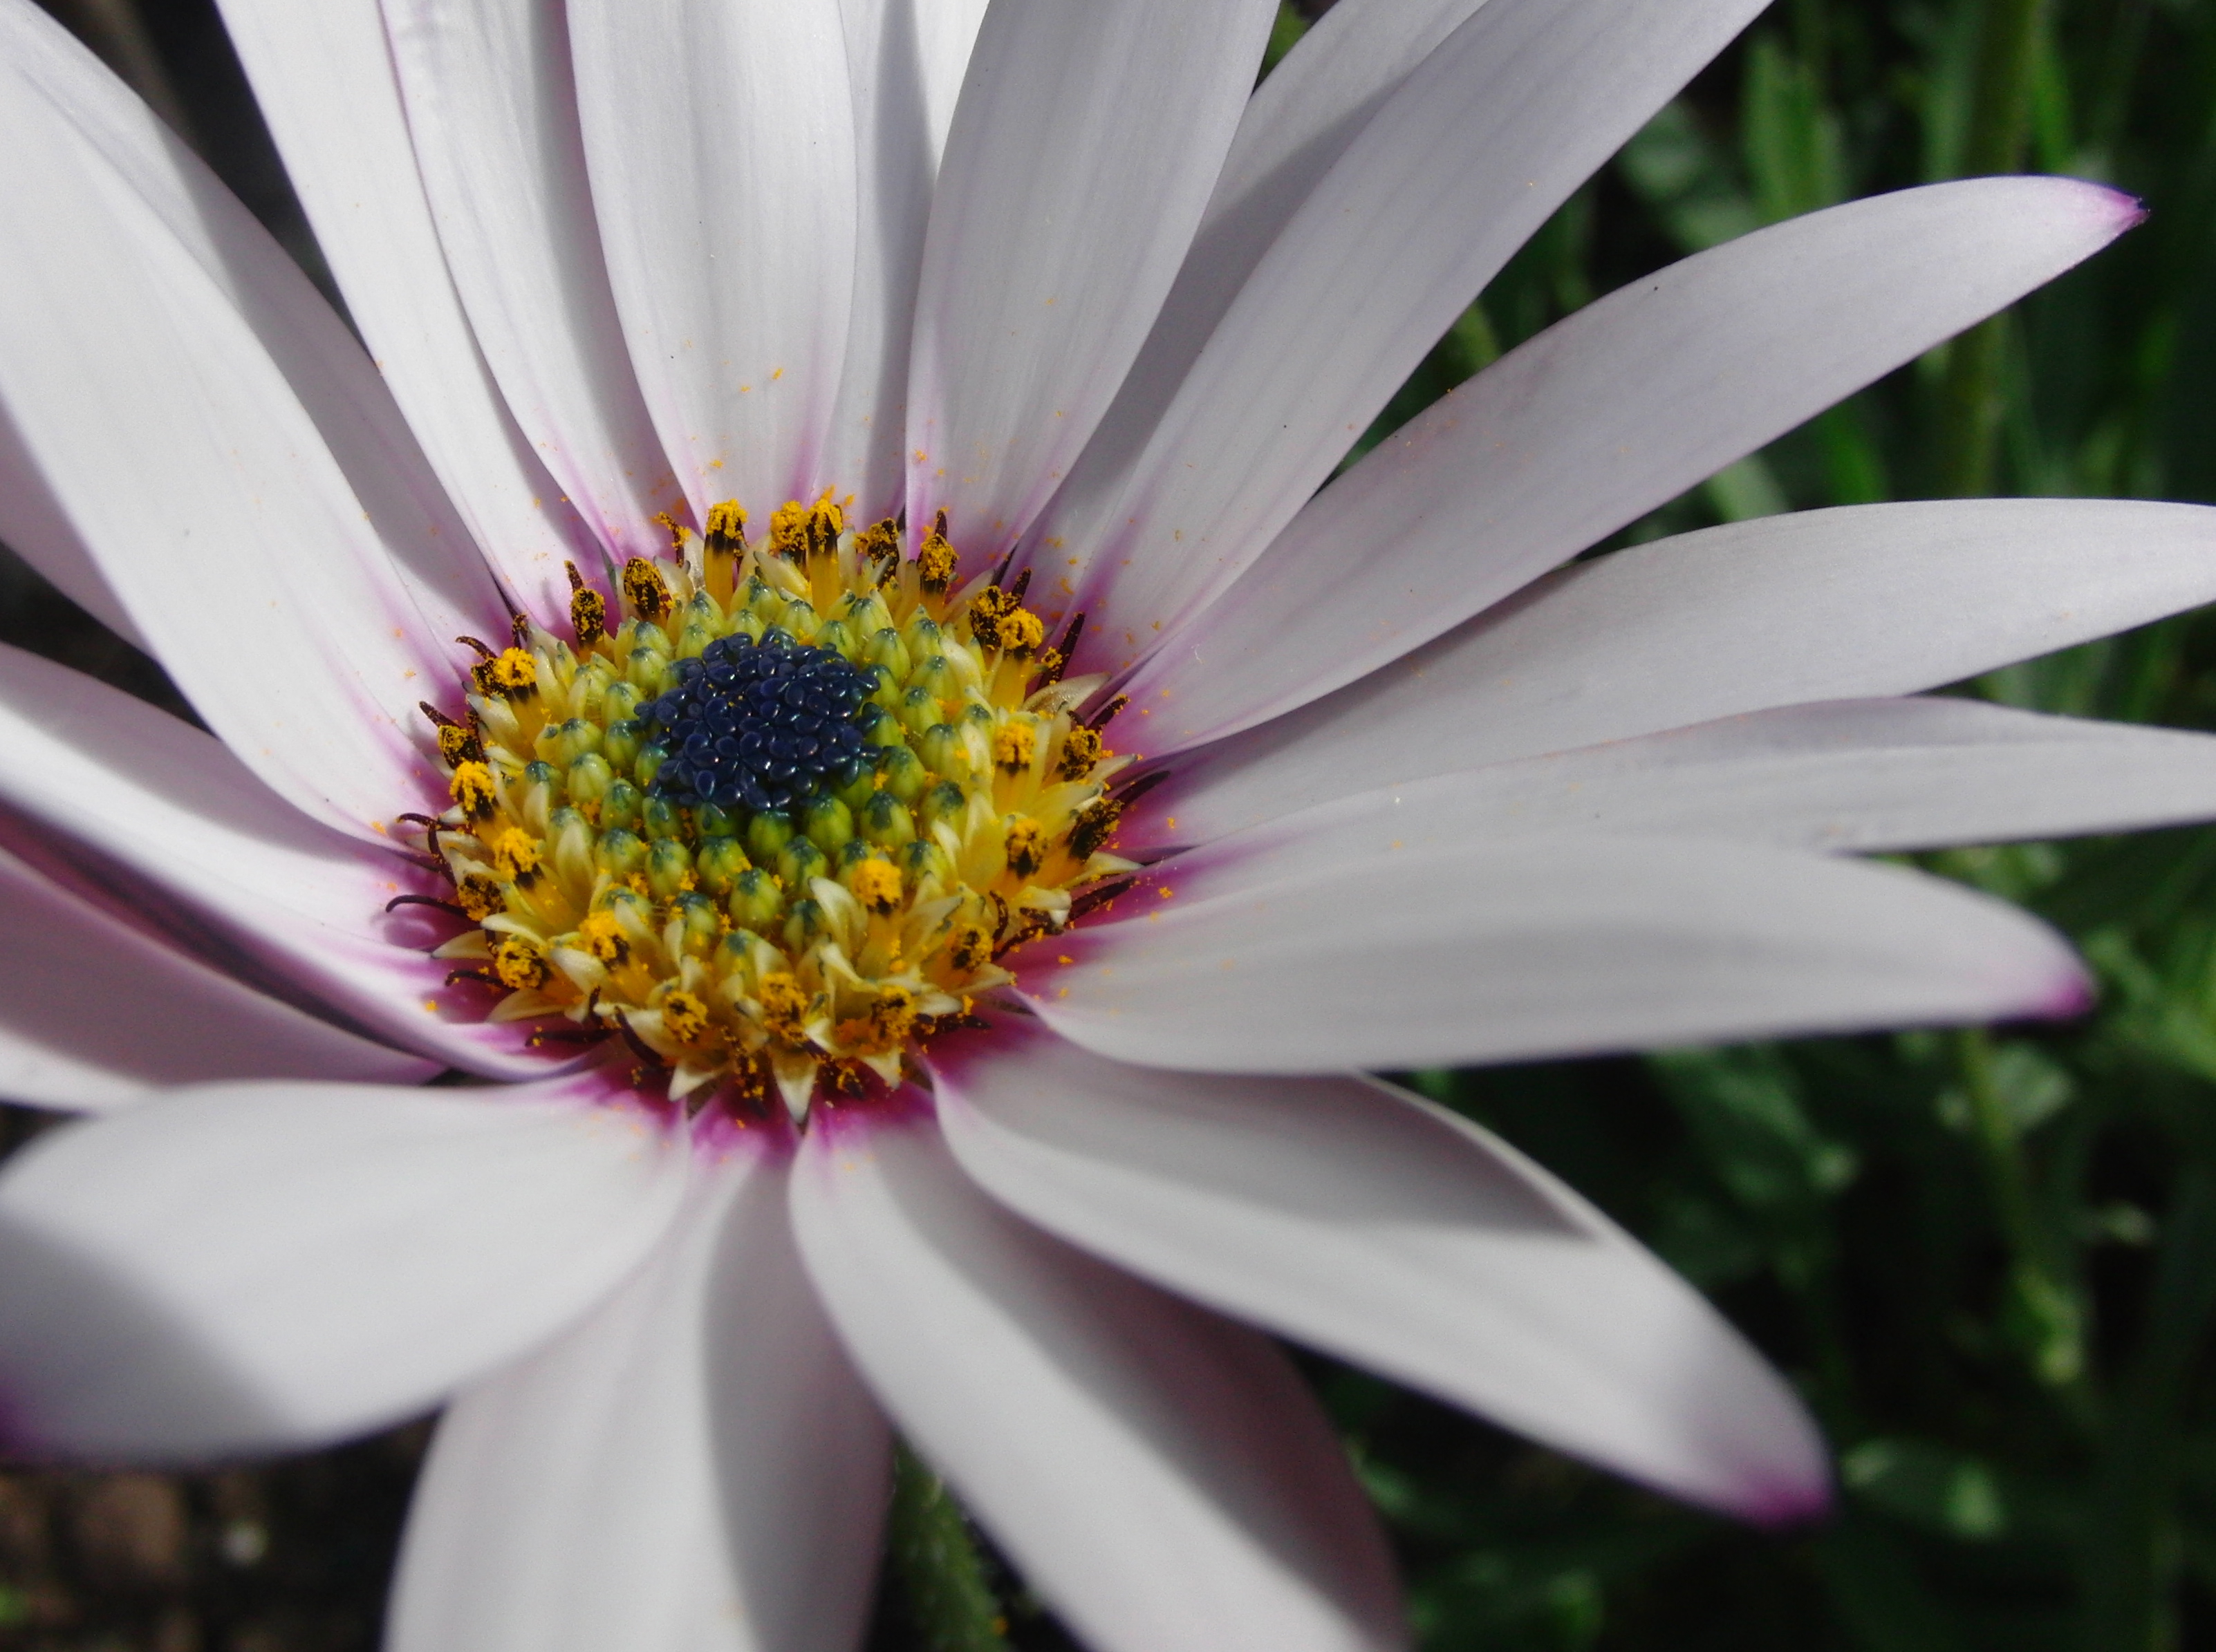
(757, 725)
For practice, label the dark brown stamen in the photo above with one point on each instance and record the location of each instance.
(1107, 714)
(1092, 899)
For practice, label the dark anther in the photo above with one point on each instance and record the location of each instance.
(565, 1035)
(425, 900)
(1092, 899)
(758, 725)
(519, 627)
(1068, 647)
(439, 720)
(484, 977)
(484, 650)
(1107, 714)
(938, 523)
(1139, 788)
(1023, 584)
(421, 819)
(639, 1046)
(1001, 573)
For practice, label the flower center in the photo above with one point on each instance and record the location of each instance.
(776, 826)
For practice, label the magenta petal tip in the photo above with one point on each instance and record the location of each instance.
(1785, 1507)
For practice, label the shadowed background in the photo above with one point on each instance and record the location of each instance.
(1989, 1259)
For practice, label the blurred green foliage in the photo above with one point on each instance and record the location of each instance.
(1987, 1258)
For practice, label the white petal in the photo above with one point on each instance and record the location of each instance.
(158, 821)
(95, 1014)
(1608, 414)
(945, 34)
(258, 1266)
(323, 74)
(1295, 126)
(1466, 160)
(336, 384)
(1160, 1477)
(1083, 149)
(494, 118)
(193, 471)
(694, 1468)
(1512, 950)
(1822, 605)
(720, 140)
(110, 130)
(1846, 776)
(1353, 1216)
(905, 62)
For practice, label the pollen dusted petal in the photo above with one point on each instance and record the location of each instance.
(1107, 122)
(694, 1467)
(730, 261)
(428, 1237)
(1161, 1476)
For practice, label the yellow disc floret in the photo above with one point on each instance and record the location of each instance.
(794, 943)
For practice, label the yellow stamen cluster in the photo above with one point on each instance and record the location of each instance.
(772, 950)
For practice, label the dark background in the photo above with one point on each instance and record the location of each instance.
(1988, 1258)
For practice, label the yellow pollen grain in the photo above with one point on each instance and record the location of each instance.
(457, 746)
(1022, 632)
(1026, 845)
(478, 896)
(784, 1008)
(514, 672)
(935, 563)
(876, 885)
(519, 964)
(727, 526)
(516, 856)
(684, 1017)
(645, 589)
(1011, 747)
(473, 789)
(1080, 750)
(603, 938)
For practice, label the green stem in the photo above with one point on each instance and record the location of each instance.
(936, 1561)
(2000, 116)
(2041, 1311)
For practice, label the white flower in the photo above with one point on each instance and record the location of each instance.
(1429, 800)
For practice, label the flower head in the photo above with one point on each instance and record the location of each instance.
(933, 794)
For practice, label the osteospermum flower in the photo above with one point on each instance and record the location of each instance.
(824, 671)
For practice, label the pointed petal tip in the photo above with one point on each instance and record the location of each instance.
(2072, 994)
(2123, 209)
(1789, 1505)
